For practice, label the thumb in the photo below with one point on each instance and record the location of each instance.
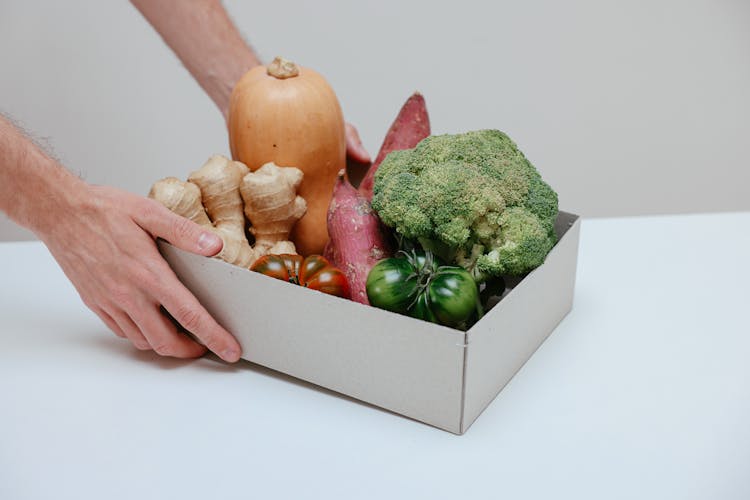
(177, 230)
(354, 147)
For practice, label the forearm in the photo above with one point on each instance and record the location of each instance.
(33, 186)
(205, 40)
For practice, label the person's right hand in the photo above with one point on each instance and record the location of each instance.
(105, 242)
(354, 147)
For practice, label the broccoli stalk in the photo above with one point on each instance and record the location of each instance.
(473, 199)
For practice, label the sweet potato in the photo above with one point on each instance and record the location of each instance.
(410, 126)
(356, 237)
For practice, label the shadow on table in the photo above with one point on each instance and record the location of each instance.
(269, 372)
(210, 362)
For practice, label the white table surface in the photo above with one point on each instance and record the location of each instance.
(642, 392)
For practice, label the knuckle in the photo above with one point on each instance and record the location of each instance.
(163, 349)
(145, 277)
(189, 318)
(211, 341)
(182, 228)
(90, 303)
(141, 345)
(147, 209)
(122, 297)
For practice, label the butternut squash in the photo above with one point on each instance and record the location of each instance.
(289, 115)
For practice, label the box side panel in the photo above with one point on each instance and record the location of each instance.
(405, 365)
(508, 335)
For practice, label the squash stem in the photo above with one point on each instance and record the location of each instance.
(282, 68)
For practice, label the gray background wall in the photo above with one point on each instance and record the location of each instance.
(626, 107)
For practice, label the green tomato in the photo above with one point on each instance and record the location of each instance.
(416, 284)
(387, 285)
(421, 309)
(453, 296)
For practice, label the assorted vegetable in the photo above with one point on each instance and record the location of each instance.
(460, 212)
(223, 192)
(313, 271)
(412, 124)
(289, 115)
(417, 284)
(473, 199)
(357, 240)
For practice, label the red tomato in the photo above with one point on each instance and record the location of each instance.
(314, 272)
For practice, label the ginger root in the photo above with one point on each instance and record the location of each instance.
(182, 198)
(222, 192)
(272, 206)
(219, 181)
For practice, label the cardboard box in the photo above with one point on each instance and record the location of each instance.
(438, 375)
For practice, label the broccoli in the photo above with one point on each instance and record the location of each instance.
(472, 198)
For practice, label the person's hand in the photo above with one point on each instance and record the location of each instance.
(105, 244)
(354, 148)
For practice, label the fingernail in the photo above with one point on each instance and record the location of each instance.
(207, 240)
(230, 355)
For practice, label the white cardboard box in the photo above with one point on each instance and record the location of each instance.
(438, 375)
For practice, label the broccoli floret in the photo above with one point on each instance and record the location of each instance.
(475, 194)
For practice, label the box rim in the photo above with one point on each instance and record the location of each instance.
(446, 329)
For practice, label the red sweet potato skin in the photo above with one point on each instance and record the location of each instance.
(410, 126)
(356, 237)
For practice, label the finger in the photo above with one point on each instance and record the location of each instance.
(107, 320)
(163, 337)
(354, 147)
(130, 329)
(194, 318)
(179, 231)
